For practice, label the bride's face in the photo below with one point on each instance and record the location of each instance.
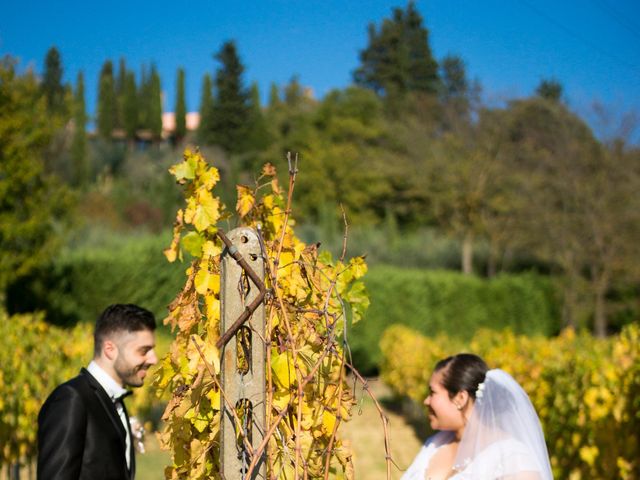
(443, 411)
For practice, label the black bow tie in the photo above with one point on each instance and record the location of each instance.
(123, 396)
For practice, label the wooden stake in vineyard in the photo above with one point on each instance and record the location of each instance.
(292, 304)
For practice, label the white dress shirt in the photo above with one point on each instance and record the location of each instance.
(115, 391)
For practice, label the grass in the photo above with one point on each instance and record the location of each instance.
(366, 434)
(364, 431)
(150, 465)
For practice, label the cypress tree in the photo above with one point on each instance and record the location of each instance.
(106, 102)
(143, 99)
(230, 109)
(181, 108)
(52, 87)
(206, 110)
(79, 157)
(130, 106)
(120, 88)
(155, 105)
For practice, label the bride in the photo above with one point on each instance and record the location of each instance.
(487, 427)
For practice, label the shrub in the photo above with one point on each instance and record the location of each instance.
(34, 358)
(82, 282)
(433, 302)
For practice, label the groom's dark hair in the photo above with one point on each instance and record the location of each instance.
(121, 318)
(462, 372)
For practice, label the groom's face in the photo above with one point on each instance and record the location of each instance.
(136, 354)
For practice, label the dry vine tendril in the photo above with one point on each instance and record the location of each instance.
(310, 294)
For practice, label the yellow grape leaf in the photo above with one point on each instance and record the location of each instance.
(276, 219)
(298, 248)
(214, 398)
(281, 400)
(207, 211)
(185, 170)
(200, 424)
(212, 355)
(171, 253)
(192, 243)
(246, 200)
(283, 370)
(213, 307)
(198, 458)
(211, 249)
(358, 266)
(210, 177)
(207, 281)
(328, 422)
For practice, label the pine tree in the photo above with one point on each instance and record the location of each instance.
(398, 58)
(550, 89)
(257, 132)
(79, 157)
(106, 102)
(155, 105)
(293, 93)
(181, 108)
(130, 106)
(230, 109)
(52, 87)
(274, 96)
(457, 95)
(206, 110)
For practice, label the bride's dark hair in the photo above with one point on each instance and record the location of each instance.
(463, 371)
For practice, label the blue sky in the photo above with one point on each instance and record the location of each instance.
(591, 46)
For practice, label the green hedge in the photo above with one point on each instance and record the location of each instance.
(433, 302)
(80, 283)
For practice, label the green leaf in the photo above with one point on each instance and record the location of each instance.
(192, 242)
(185, 170)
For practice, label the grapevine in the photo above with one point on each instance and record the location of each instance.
(311, 296)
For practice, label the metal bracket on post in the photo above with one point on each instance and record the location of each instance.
(242, 294)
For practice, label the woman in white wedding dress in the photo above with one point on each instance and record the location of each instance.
(487, 427)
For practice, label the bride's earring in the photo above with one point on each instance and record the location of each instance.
(459, 407)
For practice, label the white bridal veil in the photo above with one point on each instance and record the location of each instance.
(503, 437)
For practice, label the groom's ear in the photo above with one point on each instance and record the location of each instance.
(109, 349)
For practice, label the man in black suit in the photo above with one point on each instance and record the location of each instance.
(83, 427)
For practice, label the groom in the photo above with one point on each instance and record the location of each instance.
(83, 427)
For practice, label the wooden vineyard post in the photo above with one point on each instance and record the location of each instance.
(243, 356)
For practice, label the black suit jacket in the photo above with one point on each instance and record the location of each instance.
(80, 435)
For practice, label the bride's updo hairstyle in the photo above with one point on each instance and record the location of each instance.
(463, 371)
